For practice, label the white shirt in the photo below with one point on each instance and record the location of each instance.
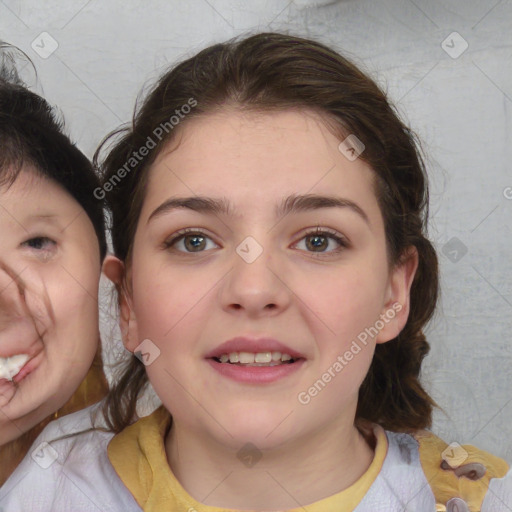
(74, 474)
(71, 474)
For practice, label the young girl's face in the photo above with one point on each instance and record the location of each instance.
(49, 274)
(260, 273)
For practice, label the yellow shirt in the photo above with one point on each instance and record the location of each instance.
(138, 455)
(139, 458)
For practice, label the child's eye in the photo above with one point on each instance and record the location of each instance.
(42, 245)
(189, 240)
(317, 241)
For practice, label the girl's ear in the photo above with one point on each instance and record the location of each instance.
(398, 300)
(115, 270)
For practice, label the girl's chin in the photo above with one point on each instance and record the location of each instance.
(263, 435)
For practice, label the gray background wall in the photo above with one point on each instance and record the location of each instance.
(458, 99)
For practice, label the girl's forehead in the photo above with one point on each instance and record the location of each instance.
(234, 125)
(256, 160)
(263, 148)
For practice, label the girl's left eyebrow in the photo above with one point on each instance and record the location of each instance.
(291, 204)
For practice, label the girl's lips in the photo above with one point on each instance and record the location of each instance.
(256, 374)
(253, 345)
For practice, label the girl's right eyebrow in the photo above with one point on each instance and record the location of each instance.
(291, 204)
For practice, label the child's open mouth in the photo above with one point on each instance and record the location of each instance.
(11, 366)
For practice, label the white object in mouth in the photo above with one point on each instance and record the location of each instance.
(11, 366)
(255, 359)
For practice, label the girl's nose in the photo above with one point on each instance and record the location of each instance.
(254, 285)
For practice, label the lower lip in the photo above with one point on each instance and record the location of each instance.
(256, 374)
(29, 367)
(5, 387)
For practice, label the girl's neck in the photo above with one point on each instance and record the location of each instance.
(92, 389)
(283, 479)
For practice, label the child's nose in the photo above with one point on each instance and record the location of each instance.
(18, 325)
(13, 320)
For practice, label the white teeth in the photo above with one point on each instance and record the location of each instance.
(276, 356)
(246, 358)
(11, 366)
(256, 359)
(263, 357)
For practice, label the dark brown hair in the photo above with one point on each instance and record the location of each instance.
(32, 134)
(266, 72)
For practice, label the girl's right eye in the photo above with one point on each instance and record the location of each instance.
(189, 239)
(42, 245)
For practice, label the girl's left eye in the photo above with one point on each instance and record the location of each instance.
(40, 243)
(315, 241)
(318, 241)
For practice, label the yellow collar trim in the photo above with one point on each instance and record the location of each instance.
(138, 455)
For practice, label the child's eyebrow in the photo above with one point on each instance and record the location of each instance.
(291, 204)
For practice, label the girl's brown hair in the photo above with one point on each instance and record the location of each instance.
(266, 72)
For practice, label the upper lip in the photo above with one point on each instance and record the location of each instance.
(254, 345)
(18, 353)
